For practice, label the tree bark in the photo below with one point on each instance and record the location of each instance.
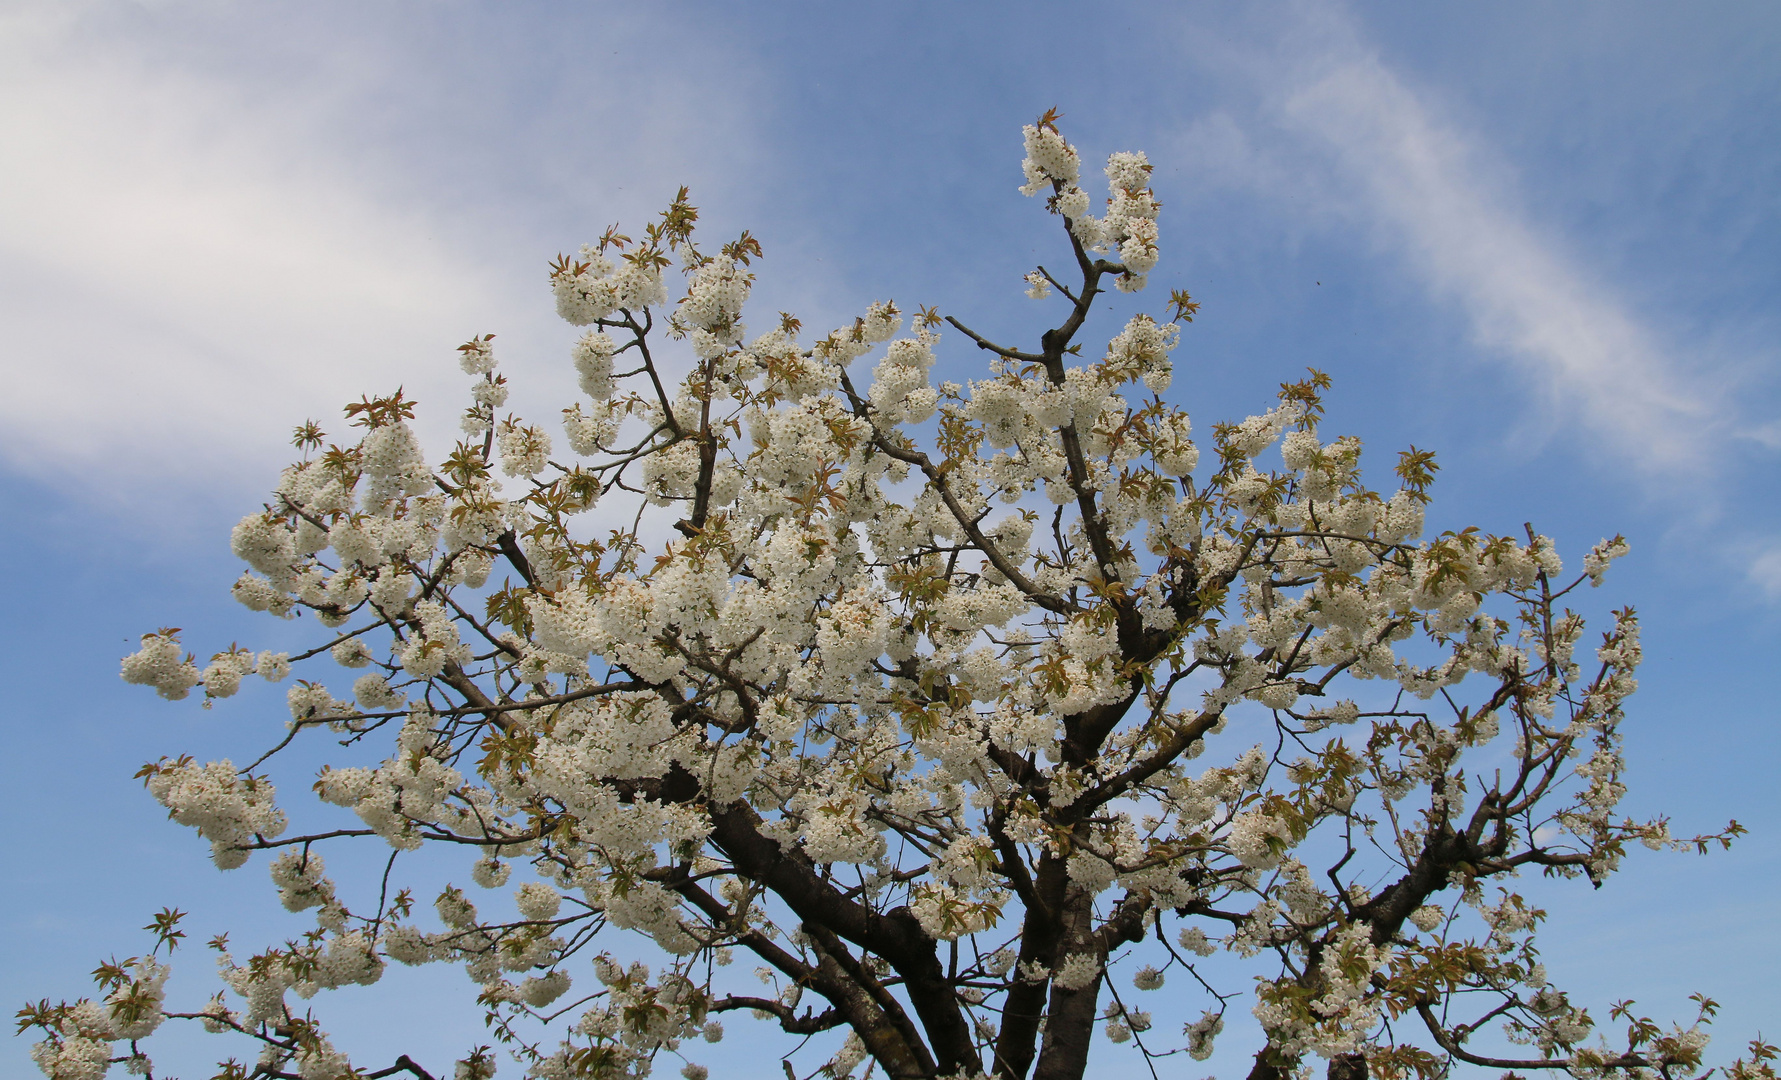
(1070, 1017)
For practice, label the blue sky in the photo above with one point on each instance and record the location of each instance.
(1542, 240)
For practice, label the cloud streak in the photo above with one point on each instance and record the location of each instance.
(1332, 131)
(1524, 298)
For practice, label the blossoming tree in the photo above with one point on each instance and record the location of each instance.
(894, 690)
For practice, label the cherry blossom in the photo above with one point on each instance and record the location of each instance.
(899, 687)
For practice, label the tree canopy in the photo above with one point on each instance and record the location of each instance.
(893, 691)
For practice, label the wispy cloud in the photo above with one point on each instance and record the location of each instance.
(196, 254)
(1317, 120)
(178, 282)
(1765, 571)
(1333, 131)
(1526, 299)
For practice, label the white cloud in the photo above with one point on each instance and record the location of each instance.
(1768, 434)
(1423, 188)
(197, 251)
(1332, 132)
(181, 280)
(1765, 571)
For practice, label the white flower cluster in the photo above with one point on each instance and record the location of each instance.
(1337, 1021)
(1595, 564)
(593, 364)
(900, 393)
(525, 450)
(1258, 839)
(1129, 226)
(80, 1042)
(226, 808)
(1049, 158)
(594, 287)
(404, 792)
(394, 465)
(712, 307)
(1142, 350)
(161, 663)
(1200, 1034)
(301, 884)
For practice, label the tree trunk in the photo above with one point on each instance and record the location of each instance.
(1070, 1015)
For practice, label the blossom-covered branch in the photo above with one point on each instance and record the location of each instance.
(897, 688)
